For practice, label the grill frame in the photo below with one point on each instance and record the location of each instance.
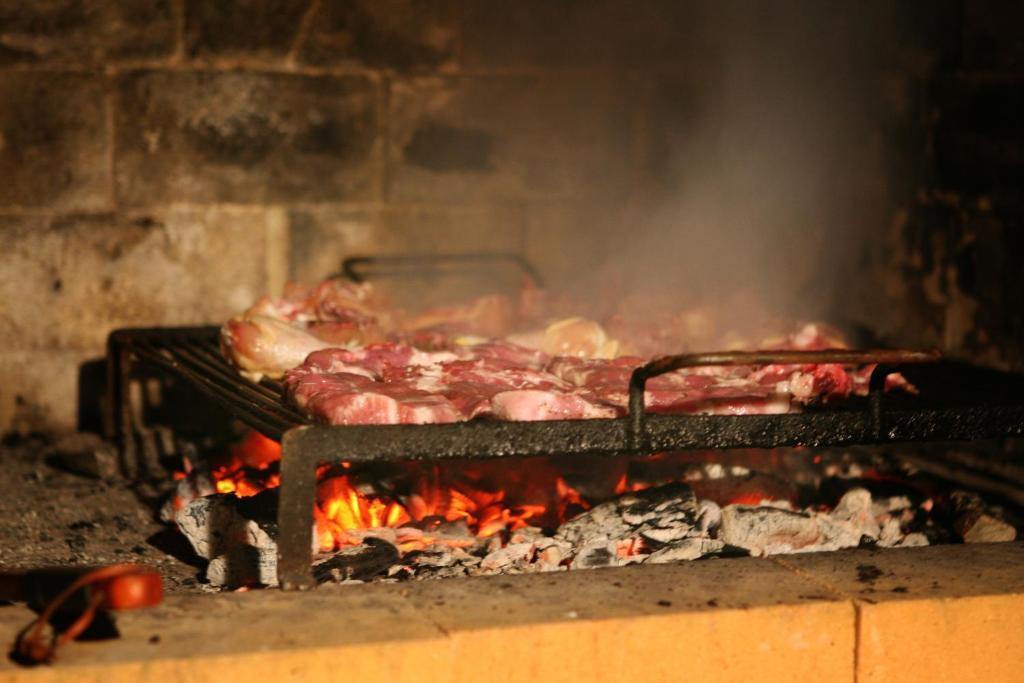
(986, 405)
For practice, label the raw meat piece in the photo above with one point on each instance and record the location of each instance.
(276, 334)
(532, 404)
(376, 361)
(391, 384)
(260, 345)
(344, 398)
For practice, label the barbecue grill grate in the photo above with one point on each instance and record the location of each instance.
(963, 403)
(957, 402)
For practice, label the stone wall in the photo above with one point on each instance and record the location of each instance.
(167, 161)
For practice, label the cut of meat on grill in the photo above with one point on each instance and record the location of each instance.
(350, 359)
(276, 334)
(533, 404)
(260, 345)
(397, 383)
(408, 385)
(343, 398)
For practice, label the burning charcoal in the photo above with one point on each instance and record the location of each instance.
(891, 532)
(357, 562)
(768, 530)
(602, 522)
(244, 565)
(513, 556)
(596, 553)
(550, 558)
(550, 553)
(214, 526)
(914, 540)
(709, 516)
(528, 534)
(666, 534)
(856, 509)
(196, 484)
(976, 524)
(686, 549)
(436, 556)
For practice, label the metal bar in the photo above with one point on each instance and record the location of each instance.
(211, 350)
(660, 366)
(295, 515)
(354, 269)
(259, 395)
(244, 409)
(486, 439)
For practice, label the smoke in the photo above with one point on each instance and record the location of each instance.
(767, 173)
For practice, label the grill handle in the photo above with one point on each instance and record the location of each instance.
(659, 366)
(362, 268)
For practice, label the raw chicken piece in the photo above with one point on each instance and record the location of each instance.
(260, 345)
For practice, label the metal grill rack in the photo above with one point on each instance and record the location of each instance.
(957, 402)
(952, 413)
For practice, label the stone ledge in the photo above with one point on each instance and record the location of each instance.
(722, 619)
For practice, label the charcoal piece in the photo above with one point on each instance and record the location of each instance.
(767, 530)
(888, 505)
(360, 563)
(596, 554)
(855, 508)
(913, 540)
(603, 521)
(668, 512)
(196, 484)
(214, 526)
(975, 522)
(666, 535)
(661, 500)
(709, 516)
(686, 549)
(512, 557)
(243, 565)
(237, 535)
(890, 533)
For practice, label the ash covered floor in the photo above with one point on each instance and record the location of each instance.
(51, 516)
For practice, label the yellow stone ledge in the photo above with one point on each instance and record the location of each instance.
(954, 613)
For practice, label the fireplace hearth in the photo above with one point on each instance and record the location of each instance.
(593, 340)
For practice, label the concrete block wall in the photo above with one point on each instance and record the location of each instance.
(168, 161)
